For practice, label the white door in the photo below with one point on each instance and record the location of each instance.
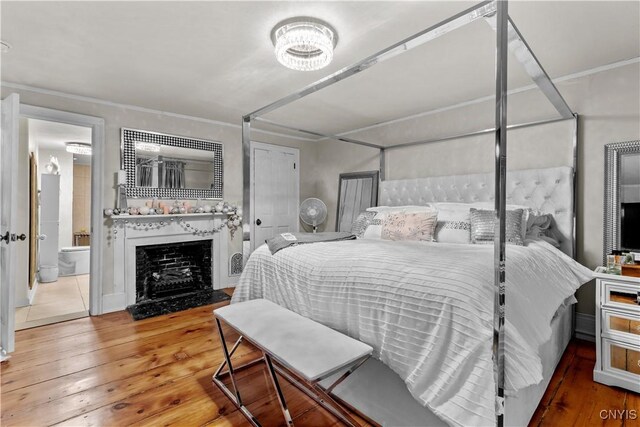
(275, 195)
(10, 110)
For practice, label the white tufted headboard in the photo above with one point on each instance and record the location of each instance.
(547, 190)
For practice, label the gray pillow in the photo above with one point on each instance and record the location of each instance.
(361, 223)
(483, 224)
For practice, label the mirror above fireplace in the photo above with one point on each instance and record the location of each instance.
(169, 166)
(622, 197)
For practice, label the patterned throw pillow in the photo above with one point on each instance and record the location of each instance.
(483, 226)
(409, 226)
(361, 223)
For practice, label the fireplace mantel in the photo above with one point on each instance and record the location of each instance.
(130, 231)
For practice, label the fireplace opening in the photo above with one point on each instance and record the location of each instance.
(172, 277)
(172, 269)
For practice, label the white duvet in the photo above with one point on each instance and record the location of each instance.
(426, 309)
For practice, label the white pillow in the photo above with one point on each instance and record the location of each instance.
(453, 224)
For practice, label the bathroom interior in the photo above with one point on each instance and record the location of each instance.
(55, 161)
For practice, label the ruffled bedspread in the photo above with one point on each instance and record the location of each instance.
(426, 309)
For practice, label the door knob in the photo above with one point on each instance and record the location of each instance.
(258, 222)
(22, 237)
(5, 237)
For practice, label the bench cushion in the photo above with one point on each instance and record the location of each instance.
(302, 345)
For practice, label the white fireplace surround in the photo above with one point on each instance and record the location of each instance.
(129, 232)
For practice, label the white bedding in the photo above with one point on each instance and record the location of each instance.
(426, 309)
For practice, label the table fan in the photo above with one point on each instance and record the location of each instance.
(313, 212)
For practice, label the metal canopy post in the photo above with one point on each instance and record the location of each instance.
(322, 135)
(532, 66)
(246, 180)
(500, 205)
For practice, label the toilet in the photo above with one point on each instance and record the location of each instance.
(74, 260)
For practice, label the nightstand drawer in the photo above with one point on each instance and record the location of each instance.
(621, 358)
(620, 295)
(621, 326)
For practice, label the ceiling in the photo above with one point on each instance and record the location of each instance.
(215, 59)
(53, 136)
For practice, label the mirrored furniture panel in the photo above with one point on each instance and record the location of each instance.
(622, 197)
(357, 191)
(171, 167)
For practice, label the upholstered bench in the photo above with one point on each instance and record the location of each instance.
(305, 352)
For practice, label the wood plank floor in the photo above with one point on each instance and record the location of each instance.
(112, 371)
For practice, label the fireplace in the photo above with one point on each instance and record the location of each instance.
(172, 269)
(172, 277)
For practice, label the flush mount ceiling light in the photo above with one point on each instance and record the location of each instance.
(147, 146)
(4, 46)
(303, 43)
(81, 148)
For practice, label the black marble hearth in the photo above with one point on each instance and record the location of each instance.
(173, 277)
(172, 304)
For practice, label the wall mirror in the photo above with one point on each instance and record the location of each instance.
(169, 166)
(357, 191)
(622, 197)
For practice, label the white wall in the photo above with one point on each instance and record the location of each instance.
(608, 103)
(116, 117)
(66, 191)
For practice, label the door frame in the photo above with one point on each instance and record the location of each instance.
(97, 184)
(252, 206)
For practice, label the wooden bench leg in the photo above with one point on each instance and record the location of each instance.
(276, 384)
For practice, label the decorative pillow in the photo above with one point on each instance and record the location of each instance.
(374, 229)
(453, 223)
(483, 225)
(543, 227)
(526, 211)
(409, 226)
(400, 209)
(361, 223)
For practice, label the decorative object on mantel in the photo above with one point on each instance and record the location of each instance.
(131, 216)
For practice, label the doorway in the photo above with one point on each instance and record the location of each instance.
(55, 159)
(274, 191)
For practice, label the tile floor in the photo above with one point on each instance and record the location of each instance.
(66, 299)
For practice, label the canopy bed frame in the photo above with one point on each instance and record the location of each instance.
(507, 37)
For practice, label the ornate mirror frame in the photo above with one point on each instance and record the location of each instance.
(128, 163)
(612, 157)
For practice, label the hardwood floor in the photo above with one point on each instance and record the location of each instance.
(112, 371)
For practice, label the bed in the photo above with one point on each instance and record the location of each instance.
(422, 305)
(551, 191)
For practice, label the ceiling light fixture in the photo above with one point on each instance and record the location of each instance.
(147, 146)
(4, 46)
(81, 148)
(303, 43)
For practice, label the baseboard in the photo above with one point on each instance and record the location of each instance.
(586, 327)
(32, 291)
(114, 302)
